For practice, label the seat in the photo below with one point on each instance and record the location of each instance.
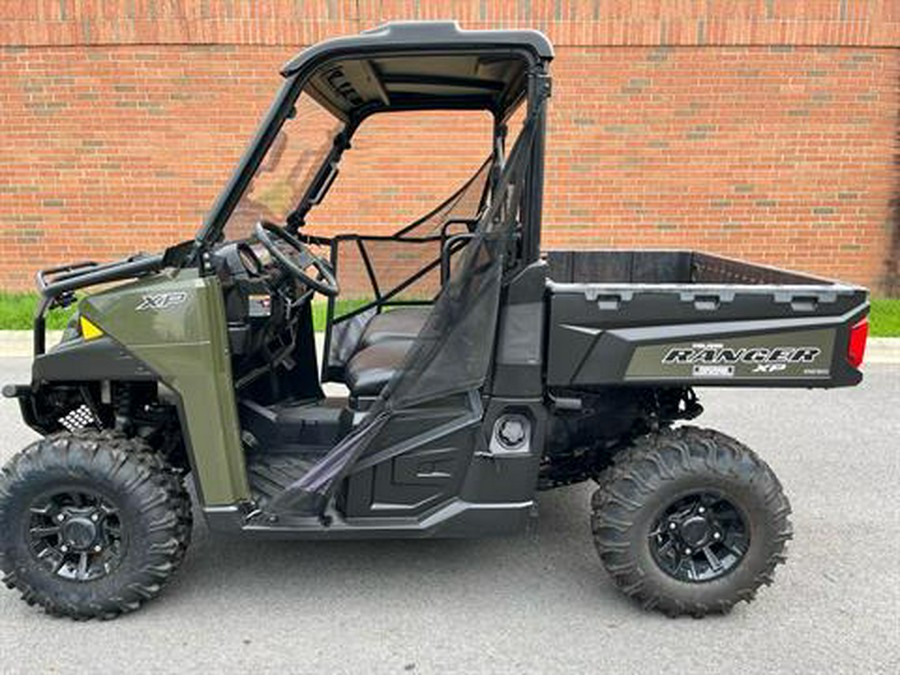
(403, 323)
(373, 367)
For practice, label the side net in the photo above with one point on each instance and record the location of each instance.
(451, 354)
(376, 272)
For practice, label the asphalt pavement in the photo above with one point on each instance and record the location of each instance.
(536, 603)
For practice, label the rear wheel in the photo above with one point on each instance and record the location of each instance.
(690, 521)
(91, 524)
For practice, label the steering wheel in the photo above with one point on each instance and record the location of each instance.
(324, 283)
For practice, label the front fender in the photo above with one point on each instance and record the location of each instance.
(173, 323)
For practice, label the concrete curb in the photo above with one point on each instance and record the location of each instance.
(19, 343)
(883, 350)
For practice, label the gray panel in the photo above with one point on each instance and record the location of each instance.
(91, 360)
(521, 334)
(799, 354)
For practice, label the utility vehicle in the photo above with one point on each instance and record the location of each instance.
(489, 372)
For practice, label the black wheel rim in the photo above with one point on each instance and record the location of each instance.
(699, 537)
(76, 534)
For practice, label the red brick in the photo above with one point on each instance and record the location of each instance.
(744, 134)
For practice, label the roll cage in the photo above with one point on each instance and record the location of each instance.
(402, 67)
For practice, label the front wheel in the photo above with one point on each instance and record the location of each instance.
(690, 521)
(91, 524)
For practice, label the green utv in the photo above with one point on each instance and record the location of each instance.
(478, 370)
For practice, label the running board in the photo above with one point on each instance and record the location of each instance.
(457, 518)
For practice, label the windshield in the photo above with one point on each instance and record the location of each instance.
(287, 169)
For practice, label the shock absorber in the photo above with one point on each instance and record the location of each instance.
(122, 407)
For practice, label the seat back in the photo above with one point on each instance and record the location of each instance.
(404, 269)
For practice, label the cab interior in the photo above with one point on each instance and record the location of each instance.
(287, 421)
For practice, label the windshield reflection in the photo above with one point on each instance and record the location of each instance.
(287, 169)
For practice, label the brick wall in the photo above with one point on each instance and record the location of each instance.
(763, 129)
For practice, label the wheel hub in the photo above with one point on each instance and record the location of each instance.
(79, 533)
(699, 538)
(695, 531)
(76, 535)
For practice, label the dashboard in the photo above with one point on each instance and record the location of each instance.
(262, 301)
(244, 259)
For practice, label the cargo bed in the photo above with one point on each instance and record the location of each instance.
(685, 317)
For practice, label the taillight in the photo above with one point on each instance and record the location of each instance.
(856, 348)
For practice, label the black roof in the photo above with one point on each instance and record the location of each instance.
(423, 64)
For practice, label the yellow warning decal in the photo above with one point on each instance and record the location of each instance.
(89, 330)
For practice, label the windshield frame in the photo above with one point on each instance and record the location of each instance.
(278, 113)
